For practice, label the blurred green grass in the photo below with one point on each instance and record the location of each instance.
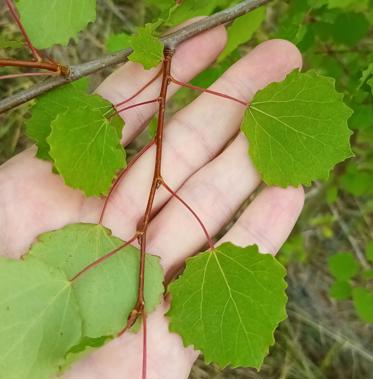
(323, 338)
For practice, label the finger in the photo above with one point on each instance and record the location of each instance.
(196, 134)
(268, 220)
(121, 358)
(214, 193)
(124, 82)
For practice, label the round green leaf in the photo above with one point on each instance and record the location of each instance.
(297, 129)
(228, 302)
(49, 22)
(86, 149)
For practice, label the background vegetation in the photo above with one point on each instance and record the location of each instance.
(328, 334)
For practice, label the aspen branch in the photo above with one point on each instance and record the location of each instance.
(171, 41)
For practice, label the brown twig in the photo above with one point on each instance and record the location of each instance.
(171, 40)
(195, 215)
(121, 177)
(14, 14)
(102, 259)
(25, 74)
(157, 175)
(200, 89)
(50, 66)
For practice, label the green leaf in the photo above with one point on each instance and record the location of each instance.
(48, 106)
(357, 182)
(147, 49)
(86, 149)
(369, 251)
(349, 28)
(10, 44)
(297, 129)
(228, 302)
(340, 290)
(117, 42)
(343, 266)
(50, 22)
(108, 292)
(242, 30)
(363, 303)
(40, 319)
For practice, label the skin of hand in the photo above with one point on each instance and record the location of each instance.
(205, 159)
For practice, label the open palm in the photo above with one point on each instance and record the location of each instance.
(205, 160)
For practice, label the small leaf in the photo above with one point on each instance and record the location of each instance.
(340, 290)
(343, 266)
(363, 302)
(50, 22)
(117, 42)
(108, 292)
(228, 302)
(40, 319)
(147, 49)
(355, 181)
(242, 30)
(297, 129)
(86, 150)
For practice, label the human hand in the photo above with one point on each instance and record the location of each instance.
(212, 177)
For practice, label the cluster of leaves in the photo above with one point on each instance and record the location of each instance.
(353, 281)
(298, 132)
(335, 39)
(80, 134)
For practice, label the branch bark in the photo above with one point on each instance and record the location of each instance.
(171, 41)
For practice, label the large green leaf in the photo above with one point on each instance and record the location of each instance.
(49, 22)
(297, 129)
(228, 302)
(86, 149)
(107, 293)
(39, 319)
